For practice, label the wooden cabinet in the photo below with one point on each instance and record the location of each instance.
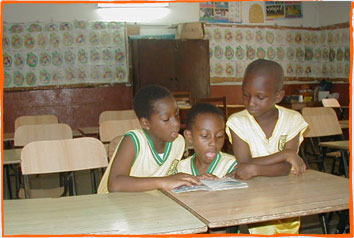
(179, 65)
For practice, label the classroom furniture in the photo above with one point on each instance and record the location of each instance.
(29, 133)
(218, 101)
(91, 131)
(179, 65)
(35, 120)
(116, 115)
(323, 124)
(333, 103)
(343, 146)
(183, 97)
(110, 129)
(113, 145)
(114, 213)
(58, 156)
(11, 157)
(268, 198)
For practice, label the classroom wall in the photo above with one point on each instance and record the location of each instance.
(80, 107)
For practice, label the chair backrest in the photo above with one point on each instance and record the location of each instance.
(116, 115)
(218, 101)
(183, 97)
(29, 133)
(113, 145)
(35, 120)
(63, 156)
(322, 121)
(111, 129)
(330, 102)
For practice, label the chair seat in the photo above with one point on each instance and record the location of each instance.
(334, 154)
(43, 193)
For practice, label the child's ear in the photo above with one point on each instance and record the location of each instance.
(188, 135)
(144, 123)
(280, 95)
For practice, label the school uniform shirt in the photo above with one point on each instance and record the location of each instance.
(147, 162)
(222, 165)
(290, 124)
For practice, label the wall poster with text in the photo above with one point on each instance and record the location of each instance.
(221, 12)
(281, 9)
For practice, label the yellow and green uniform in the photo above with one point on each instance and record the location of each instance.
(222, 165)
(290, 124)
(147, 162)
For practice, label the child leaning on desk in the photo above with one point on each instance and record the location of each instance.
(266, 137)
(206, 132)
(146, 158)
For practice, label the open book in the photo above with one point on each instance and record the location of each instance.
(213, 185)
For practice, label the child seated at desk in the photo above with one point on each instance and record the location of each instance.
(206, 132)
(146, 159)
(266, 137)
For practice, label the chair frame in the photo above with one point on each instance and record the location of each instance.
(66, 156)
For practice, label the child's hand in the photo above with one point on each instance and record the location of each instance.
(180, 179)
(245, 171)
(297, 163)
(208, 176)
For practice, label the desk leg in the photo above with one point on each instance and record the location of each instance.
(7, 184)
(343, 223)
(323, 159)
(345, 163)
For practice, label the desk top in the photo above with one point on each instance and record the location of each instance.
(268, 198)
(8, 136)
(89, 130)
(116, 213)
(342, 145)
(12, 156)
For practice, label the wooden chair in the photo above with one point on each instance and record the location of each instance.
(112, 146)
(323, 124)
(109, 130)
(116, 115)
(58, 156)
(218, 101)
(183, 97)
(29, 133)
(333, 103)
(35, 120)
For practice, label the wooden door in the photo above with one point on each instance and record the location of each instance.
(153, 63)
(192, 67)
(179, 65)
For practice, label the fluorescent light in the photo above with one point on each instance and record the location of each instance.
(133, 5)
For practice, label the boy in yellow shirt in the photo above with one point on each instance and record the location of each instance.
(266, 137)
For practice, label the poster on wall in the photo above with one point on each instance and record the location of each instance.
(220, 12)
(38, 54)
(280, 9)
(304, 54)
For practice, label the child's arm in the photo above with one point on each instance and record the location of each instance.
(120, 180)
(272, 165)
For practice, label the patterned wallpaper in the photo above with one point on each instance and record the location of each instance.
(305, 54)
(64, 53)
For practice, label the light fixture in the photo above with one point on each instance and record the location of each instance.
(133, 5)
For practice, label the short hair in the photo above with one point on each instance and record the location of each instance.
(202, 108)
(145, 98)
(267, 67)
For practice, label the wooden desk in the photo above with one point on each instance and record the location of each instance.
(89, 131)
(10, 157)
(269, 198)
(343, 146)
(116, 213)
(8, 136)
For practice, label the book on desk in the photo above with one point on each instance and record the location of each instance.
(213, 185)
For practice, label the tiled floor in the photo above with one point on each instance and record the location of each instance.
(309, 224)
